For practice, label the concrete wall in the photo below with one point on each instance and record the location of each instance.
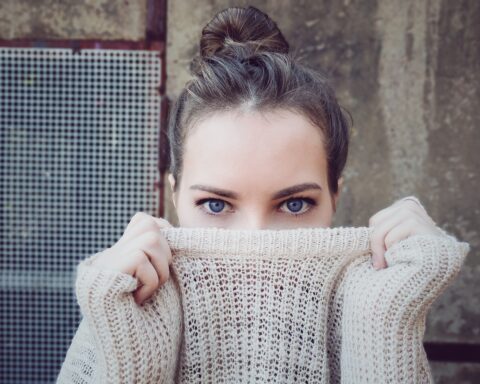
(78, 19)
(408, 71)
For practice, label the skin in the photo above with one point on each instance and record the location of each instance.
(249, 157)
(261, 155)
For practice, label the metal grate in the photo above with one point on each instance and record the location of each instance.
(79, 152)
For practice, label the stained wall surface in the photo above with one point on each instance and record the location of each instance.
(408, 72)
(82, 19)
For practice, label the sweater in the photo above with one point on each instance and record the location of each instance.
(298, 305)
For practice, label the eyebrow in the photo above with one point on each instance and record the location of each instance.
(277, 195)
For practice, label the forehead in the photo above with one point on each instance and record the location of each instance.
(244, 147)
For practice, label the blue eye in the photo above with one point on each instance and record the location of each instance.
(211, 206)
(216, 205)
(299, 205)
(295, 205)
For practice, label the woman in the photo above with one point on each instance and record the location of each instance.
(257, 141)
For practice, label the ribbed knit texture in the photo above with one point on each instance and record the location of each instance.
(265, 306)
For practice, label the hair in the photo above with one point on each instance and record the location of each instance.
(245, 62)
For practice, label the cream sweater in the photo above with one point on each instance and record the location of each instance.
(255, 306)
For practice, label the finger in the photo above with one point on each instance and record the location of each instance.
(146, 224)
(418, 207)
(410, 203)
(400, 232)
(379, 233)
(156, 247)
(154, 244)
(162, 223)
(412, 199)
(147, 275)
(413, 209)
(381, 215)
(136, 218)
(160, 257)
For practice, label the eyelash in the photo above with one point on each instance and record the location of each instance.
(308, 200)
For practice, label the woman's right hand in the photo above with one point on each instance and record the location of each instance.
(142, 252)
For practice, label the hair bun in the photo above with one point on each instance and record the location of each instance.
(247, 27)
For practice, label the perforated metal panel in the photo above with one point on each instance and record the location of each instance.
(79, 152)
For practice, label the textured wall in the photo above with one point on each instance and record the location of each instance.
(79, 19)
(409, 72)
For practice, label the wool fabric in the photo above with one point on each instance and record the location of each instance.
(297, 305)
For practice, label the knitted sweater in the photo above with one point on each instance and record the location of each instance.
(255, 306)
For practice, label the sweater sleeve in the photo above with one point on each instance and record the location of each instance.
(119, 341)
(378, 317)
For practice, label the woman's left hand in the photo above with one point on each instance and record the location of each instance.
(404, 218)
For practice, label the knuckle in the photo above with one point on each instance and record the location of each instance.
(164, 276)
(163, 222)
(144, 262)
(156, 284)
(138, 216)
(419, 215)
(151, 223)
(388, 242)
(166, 252)
(148, 268)
(140, 258)
(412, 221)
(151, 238)
(411, 205)
(376, 236)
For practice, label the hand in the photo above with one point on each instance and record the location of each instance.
(142, 252)
(404, 218)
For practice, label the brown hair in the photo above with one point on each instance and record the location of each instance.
(245, 60)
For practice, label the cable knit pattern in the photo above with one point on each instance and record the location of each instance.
(256, 306)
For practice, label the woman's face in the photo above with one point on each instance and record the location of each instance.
(254, 170)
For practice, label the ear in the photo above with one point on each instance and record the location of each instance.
(337, 195)
(171, 180)
(340, 184)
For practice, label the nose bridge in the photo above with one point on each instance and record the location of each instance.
(255, 219)
(257, 225)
